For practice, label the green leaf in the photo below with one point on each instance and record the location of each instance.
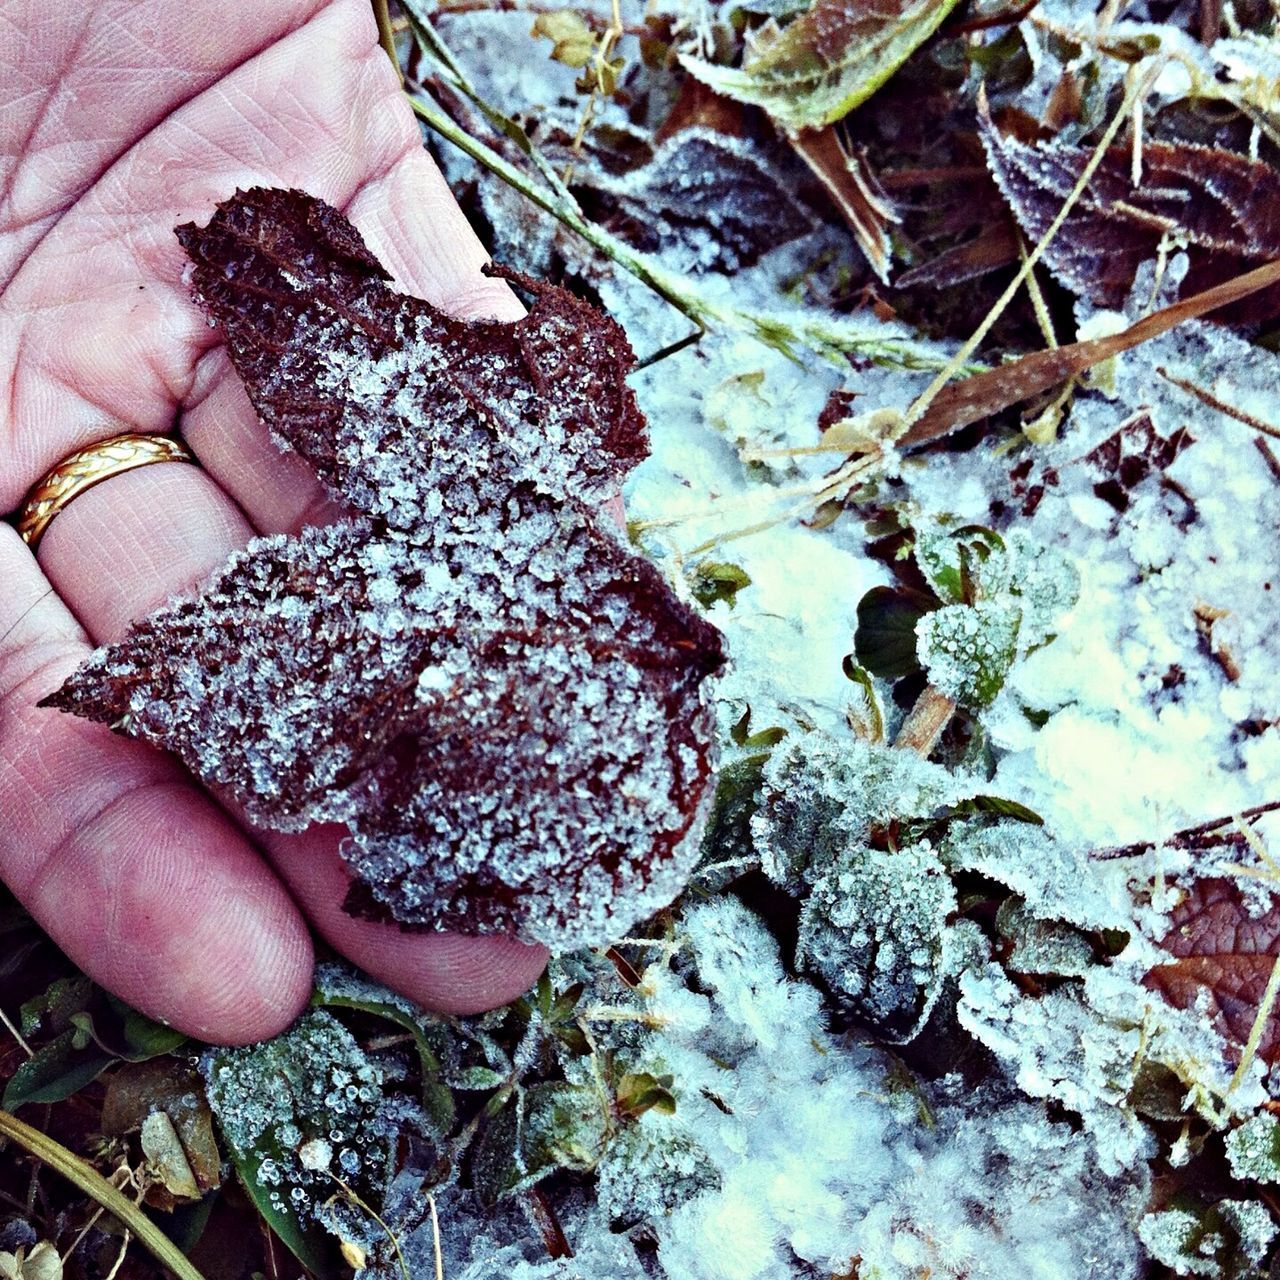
(144, 1038)
(872, 723)
(437, 1100)
(968, 650)
(961, 565)
(56, 1071)
(270, 1099)
(52, 1010)
(815, 70)
(494, 1170)
(713, 580)
(641, 1092)
(475, 1078)
(565, 1127)
(1001, 807)
(885, 641)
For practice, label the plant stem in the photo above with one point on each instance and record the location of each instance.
(94, 1185)
(925, 722)
(386, 36)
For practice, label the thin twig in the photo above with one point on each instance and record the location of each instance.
(1269, 456)
(1259, 1025)
(16, 1034)
(1187, 835)
(1208, 398)
(1137, 88)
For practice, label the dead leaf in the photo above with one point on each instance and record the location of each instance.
(1223, 954)
(474, 673)
(1129, 455)
(983, 394)
(166, 1158)
(857, 193)
(1223, 208)
(714, 201)
(165, 1086)
(42, 1263)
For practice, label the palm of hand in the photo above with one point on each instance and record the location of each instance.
(121, 121)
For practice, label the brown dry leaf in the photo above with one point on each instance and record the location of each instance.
(1225, 953)
(140, 1091)
(979, 396)
(474, 673)
(857, 193)
(1222, 207)
(166, 1158)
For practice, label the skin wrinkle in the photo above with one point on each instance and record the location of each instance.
(153, 261)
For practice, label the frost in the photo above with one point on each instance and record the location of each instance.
(967, 650)
(822, 793)
(1217, 1243)
(293, 1107)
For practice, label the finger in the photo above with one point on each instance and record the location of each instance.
(447, 972)
(412, 223)
(141, 879)
(122, 548)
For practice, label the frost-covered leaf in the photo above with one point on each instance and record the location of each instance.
(873, 928)
(1224, 949)
(961, 564)
(565, 1127)
(967, 650)
(1222, 1242)
(1223, 207)
(707, 201)
(299, 1111)
(825, 62)
(1047, 948)
(336, 988)
(500, 700)
(823, 796)
(1253, 1148)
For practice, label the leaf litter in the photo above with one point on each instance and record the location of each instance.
(997, 1000)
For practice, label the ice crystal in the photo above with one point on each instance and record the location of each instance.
(498, 698)
(295, 1107)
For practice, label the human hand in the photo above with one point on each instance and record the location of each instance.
(121, 120)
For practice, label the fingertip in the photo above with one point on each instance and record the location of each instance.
(462, 975)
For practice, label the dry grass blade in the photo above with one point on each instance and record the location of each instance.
(94, 1185)
(983, 394)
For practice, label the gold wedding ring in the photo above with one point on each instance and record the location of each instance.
(90, 466)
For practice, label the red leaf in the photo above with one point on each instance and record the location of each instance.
(500, 700)
(1225, 954)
